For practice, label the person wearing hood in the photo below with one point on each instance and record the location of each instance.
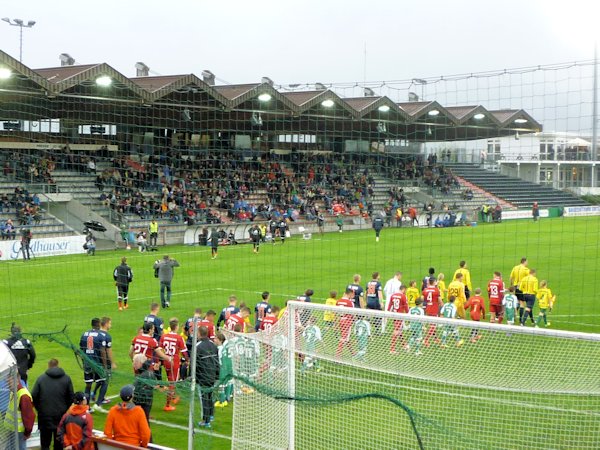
(126, 422)
(75, 428)
(52, 395)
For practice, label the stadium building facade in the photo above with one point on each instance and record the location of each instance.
(94, 107)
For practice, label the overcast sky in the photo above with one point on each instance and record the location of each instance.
(303, 41)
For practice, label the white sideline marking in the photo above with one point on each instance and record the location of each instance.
(291, 296)
(581, 323)
(196, 430)
(116, 256)
(574, 315)
(471, 397)
(30, 313)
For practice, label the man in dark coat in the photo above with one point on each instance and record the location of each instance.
(377, 226)
(123, 276)
(207, 374)
(52, 396)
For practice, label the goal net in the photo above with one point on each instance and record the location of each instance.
(426, 382)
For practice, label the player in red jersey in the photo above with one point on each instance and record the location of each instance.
(345, 322)
(209, 323)
(477, 306)
(238, 319)
(398, 304)
(433, 305)
(270, 320)
(266, 326)
(144, 343)
(496, 291)
(174, 347)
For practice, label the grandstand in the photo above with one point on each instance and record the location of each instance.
(515, 191)
(191, 153)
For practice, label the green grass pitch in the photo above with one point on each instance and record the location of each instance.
(47, 294)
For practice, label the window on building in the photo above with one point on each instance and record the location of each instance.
(546, 150)
(494, 149)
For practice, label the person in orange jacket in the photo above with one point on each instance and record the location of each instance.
(126, 422)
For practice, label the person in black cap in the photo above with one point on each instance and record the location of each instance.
(75, 428)
(126, 422)
(23, 351)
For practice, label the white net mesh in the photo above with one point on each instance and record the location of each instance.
(447, 384)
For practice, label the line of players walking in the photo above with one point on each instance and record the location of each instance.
(259, 234)
(452, 302)
(154, 347)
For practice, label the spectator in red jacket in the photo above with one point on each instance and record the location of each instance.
(75, 428)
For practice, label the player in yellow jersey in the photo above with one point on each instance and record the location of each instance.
(462, 268)
(545, 300)
(328, 316)
(441, 284)
(456, 289)
(517, 273)
(412, 293)
(529, 287)
(282, 311)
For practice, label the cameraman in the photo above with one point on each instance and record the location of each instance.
(90, 244)
(25, 243)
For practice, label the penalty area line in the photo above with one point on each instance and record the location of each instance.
(466, 396)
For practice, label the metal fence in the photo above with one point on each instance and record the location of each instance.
(9, 412)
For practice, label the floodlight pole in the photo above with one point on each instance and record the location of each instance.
(192, 369)
(21, 24)
(291, 345)
(594, 155)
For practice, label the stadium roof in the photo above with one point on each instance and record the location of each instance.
(51, 92)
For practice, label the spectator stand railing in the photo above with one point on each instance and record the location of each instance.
(103, 443)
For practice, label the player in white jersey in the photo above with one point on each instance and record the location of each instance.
(416, 328)
(510, 302)
(362, 330)
(449, 312)
(312, 336)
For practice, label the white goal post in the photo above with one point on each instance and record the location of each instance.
(326, 378)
